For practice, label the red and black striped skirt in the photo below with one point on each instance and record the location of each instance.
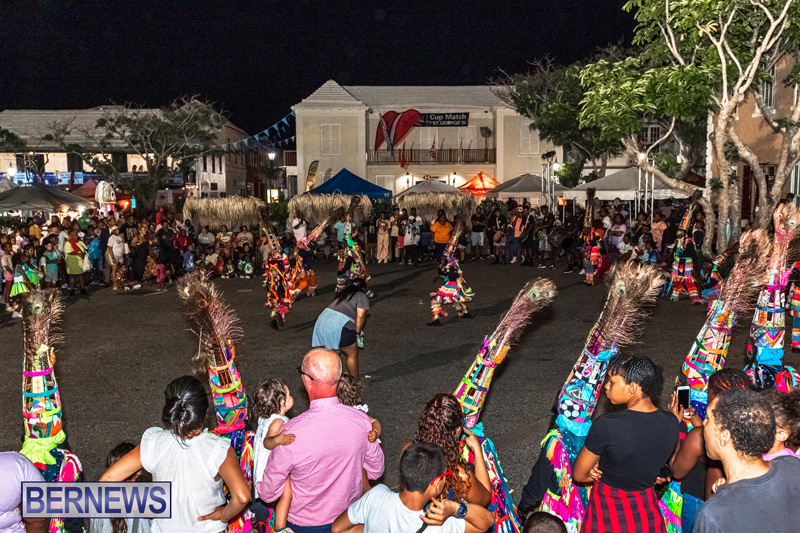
(617, 511)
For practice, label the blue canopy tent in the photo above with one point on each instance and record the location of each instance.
(345, 182)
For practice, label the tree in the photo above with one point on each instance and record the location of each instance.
(729, 46)
(551, 97)
(168, 139)
(623, 96)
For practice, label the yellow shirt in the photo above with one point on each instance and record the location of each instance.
(35, 231)
(441, 232)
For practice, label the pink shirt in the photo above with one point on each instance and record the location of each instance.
(324, 463)
(786, 451)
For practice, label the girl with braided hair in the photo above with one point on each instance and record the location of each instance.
(442, 423)
(625, 451)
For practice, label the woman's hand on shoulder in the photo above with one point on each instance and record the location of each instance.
(472, 441)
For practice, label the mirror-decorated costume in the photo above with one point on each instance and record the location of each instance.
(277, 281)
(454, 291)
(351, 265)
(217, 329)
(471, 392)
(631, 288)
(682, 263)
(736, 294)
(41, 402)
(765, 348)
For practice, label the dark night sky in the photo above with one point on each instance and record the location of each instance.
(258, 58)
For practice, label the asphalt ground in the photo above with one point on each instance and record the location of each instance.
(121, 349)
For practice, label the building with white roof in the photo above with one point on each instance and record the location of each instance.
(397, 136)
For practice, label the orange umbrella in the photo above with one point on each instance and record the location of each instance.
(480, 184)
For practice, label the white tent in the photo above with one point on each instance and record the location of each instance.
(7, 184)
(624, 185)
(527, 186)
(428, 186)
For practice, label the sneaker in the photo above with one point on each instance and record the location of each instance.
(542, 266)
(435, 323)
(569, 270)
(65, 286)
(15, 314)
(274, 324)
(467, 315)
(513, 260)
(582, 272)
(137, 286)
(795, 349)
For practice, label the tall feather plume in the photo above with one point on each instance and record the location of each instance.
(42, 311)
(740, 289)
(787, 225)
(589, 216)
(630, 288)
(474, 386)
(536, 295)
(214, 322)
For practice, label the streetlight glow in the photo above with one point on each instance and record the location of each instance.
(556, 166)
(642, 156)
(272, 155)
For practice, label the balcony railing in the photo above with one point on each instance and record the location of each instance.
(290, 158)
(447, 155)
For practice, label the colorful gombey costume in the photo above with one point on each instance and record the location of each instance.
(217, 330)
(765, 348)
(303, 275)
(795, 306)
(41, 402)
(592, 239)
(682, 264)
(454, 291)
(631, 288)
(736, 294)
(471, 392)
(277, 280)
(710, 349)
(352, 266)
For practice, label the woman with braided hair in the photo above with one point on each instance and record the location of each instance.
(625, 451)
(442, 423)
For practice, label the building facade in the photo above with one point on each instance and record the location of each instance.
(215, 174)
(398, 136)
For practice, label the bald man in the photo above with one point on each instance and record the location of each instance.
(329, 452)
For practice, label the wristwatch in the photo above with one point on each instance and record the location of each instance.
(462, 510)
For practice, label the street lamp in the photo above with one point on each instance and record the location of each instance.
(272, 155)
(11, 172)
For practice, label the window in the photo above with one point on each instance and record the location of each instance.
(426, 138)
(220, 164)
(214, 186)
(205, 163)
(120, 161)
(653, 134)
(767, 90)
(331, 139)
(385, 180)
(468, 137)
(74, 163)
(229, 147)
(213, 165)
(528, 139)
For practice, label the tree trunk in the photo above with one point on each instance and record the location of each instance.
(724, 167)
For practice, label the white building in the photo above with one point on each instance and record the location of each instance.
(217, 174)
(449, 133)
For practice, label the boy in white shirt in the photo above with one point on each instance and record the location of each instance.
(423, 472)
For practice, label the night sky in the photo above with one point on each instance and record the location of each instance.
(256, 59)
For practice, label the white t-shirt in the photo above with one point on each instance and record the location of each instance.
(299, 231)
(117, 245)
(260, 453)
(16, 468)
(381, 511)
(191, 465)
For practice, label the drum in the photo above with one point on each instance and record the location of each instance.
(561, 238)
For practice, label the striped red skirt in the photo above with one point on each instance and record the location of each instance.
(613, 510)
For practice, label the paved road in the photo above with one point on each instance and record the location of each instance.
(122, 349)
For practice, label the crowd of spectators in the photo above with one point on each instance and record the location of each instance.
(743, 476)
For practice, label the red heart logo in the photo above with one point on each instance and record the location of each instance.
(394, 127)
